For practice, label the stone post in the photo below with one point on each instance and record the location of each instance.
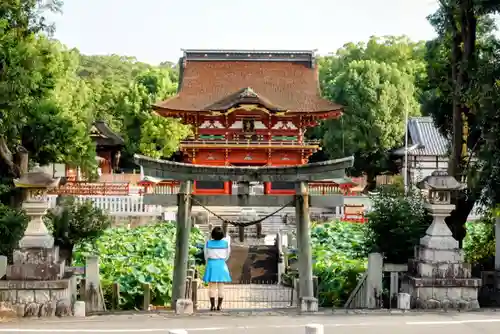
(182, 241)
(94, 302)
(307, 301)
(314, 329)
(374, 280)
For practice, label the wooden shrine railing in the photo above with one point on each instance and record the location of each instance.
(222, 143)
(90, 188)
(354, 213)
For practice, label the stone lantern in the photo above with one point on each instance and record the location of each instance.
(440, 186)
(437, 276)
(36, 284)
(36, 258)
(37, 183)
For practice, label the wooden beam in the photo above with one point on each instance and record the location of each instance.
(182, 172)
(327, 201)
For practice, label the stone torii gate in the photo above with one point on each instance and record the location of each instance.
(300, 175)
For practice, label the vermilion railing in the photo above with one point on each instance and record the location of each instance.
(326, 188)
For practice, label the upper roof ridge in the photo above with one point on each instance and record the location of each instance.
(306, 57)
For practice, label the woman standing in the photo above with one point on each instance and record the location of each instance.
(217, 252)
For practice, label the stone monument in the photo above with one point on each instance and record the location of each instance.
(35, 283)
(438, 276)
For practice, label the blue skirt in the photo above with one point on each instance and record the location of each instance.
(216, 271)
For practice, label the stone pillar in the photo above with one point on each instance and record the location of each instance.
(182, 241)
(307, 301)
(374, 280)
(281, 256)
(243, 194)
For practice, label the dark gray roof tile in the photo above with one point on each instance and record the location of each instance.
(430, 141)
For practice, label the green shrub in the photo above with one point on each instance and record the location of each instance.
(396, 224)
(479, 242)
(13, 223)
(132, 257)
(74, 222)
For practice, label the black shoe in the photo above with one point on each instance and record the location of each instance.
(219, 303)
(212, 304)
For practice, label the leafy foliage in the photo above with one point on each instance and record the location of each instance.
(13, 223)
(377, 84)
(396, 224)
(462, 95)
(73, 222)
(35, 112)
(124, 90)
(479, 243)
(132, 257)
(339, 260)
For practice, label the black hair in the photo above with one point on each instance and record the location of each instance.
(217, 233)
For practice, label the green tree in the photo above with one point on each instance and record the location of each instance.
(376, 96)
(13, 223)
(33, 117)
(367, 78)
(462, 95)
(146, 132)
(405, 54)
(124, 90)
(72, 223)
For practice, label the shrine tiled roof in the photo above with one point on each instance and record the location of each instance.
(424, 133)
(285, 81)
(102, 135)
(424, 138)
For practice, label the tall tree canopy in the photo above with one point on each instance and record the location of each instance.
(36, 115)
(123, 92)
(49, 96)
(377, 83)
(462, 95)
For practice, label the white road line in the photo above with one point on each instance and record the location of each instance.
(53, 330)
(451, 322)
(222, 328)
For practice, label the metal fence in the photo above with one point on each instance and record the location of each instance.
(249, 296)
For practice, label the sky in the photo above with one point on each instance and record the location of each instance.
(157, 30)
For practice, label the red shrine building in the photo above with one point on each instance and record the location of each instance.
(248, 108)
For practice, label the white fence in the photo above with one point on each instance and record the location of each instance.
(118, 205)
(133, 205)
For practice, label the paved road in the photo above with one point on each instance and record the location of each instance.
(450, 323)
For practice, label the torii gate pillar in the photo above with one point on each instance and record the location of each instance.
(182, 241)
(308, 303)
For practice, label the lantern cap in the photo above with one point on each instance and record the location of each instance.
(37, 179)
(440, 180)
